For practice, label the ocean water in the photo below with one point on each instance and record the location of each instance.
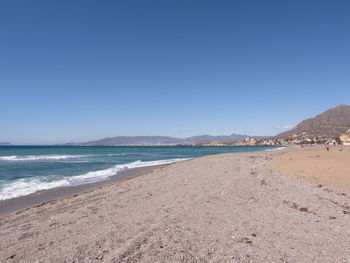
(28, 169)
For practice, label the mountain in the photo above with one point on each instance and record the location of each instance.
(163, 140)
(5, 144)
(133, 140)
(330, 124)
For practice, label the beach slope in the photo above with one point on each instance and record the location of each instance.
(222, 208)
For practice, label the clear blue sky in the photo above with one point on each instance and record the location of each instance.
(81, 70)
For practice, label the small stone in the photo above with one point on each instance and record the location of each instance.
(244, 240)
(303, 209)
(99, 257)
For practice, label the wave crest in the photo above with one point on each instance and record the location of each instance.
(38, 157)
(25, 186)
(50, 157)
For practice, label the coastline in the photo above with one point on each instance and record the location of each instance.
(41, 197)
(219, 208)
(26, 170)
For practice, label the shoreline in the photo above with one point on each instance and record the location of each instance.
(41, 197)
(19, 203)
(218, 208)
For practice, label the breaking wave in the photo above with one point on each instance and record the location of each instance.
(49, 157)
(38, 157)
(25, 186)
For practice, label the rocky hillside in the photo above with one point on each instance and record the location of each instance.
(330, 124)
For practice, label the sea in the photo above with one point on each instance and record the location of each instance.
(28, 169)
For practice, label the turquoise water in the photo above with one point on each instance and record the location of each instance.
(28, 169)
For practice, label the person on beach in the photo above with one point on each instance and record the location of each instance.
(327, 147)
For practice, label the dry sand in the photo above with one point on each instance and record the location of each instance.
(223, 208)
(318, 165)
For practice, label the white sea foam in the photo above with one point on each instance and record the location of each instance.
(103, 174)
(25, 186)
(279, 148)
(51, 157)
(38, 157)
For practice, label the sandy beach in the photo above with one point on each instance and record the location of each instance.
(242, 207)
(14, 204)
(318, 165)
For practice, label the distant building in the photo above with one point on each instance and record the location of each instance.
(345, 138)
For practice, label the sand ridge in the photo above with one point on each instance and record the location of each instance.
(222, 208)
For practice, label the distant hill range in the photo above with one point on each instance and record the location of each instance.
(162, 140)
(330, 124)
(5, 144)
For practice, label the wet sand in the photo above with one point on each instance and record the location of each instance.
(222, 208)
